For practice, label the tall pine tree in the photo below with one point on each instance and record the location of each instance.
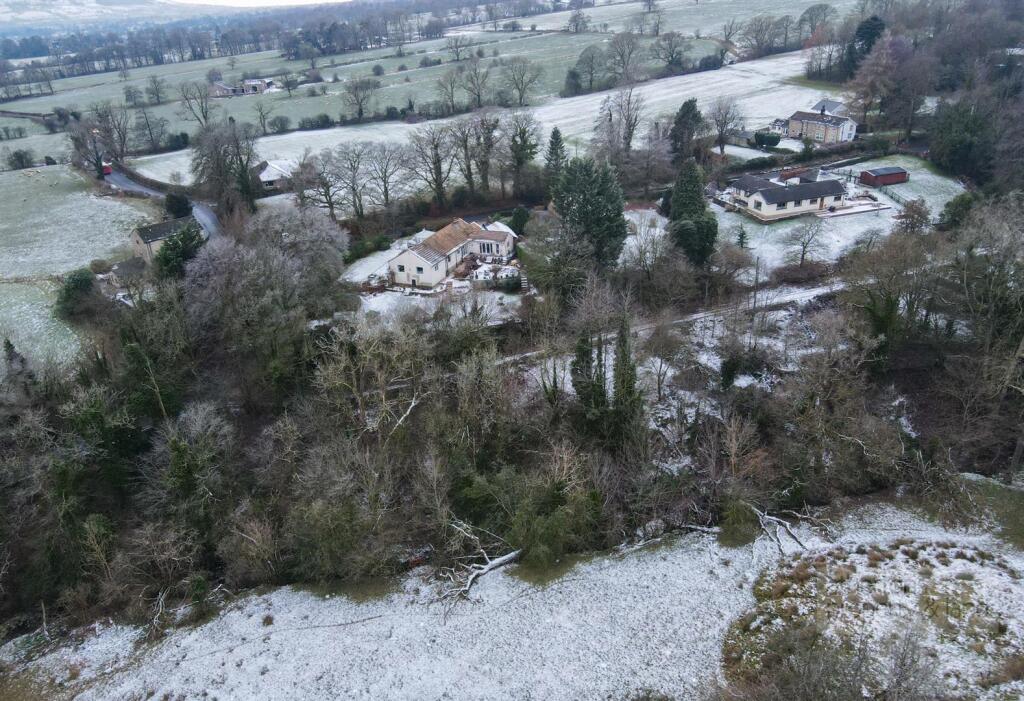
(554, 159)
(589, 382)
(693, 227)
(687, 126)
(590, 202)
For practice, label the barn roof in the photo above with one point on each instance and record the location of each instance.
(163, 230)
(887, 170)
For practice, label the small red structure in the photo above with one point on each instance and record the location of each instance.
(108, 169)
(890, 175)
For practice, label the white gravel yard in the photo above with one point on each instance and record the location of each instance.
(654, 618)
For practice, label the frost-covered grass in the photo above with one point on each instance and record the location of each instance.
(926, 182)
(759, 86)
(684, 16)
(554, 52)
(51, 222)
(962, 600)
(649, 618)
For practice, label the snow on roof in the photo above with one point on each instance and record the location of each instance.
(500, 226)
(815, 117)
(275, 170)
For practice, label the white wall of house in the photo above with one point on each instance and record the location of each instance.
(407, 268)
(758, 208)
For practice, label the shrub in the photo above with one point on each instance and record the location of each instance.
(280, 124)
(20, 159)
(177, 205)
(550, 522)
(177, 250)
(766, 139)
(321, 121)
(427, 62)
(377, 70)
(760, 163)
(360, 248)
(75, 291)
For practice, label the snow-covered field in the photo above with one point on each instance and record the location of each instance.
(51, 222)
(684, 16)
(653, 619)
(760, 86)
(925, 183)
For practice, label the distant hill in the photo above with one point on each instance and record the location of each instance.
(49, 13)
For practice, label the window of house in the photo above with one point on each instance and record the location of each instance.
(449, 259)
(401, 268)
(435, 266)
(419, 270)
(782, 205)
(814, 201)
(757, 205)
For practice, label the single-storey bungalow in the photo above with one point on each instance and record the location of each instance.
(427, 263)
(888, 175)
(771, 200)
(147, 240)
(821, 127)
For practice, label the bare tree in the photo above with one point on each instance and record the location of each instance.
(150, 130)
(474, 81)
(458, 46)
(617, 122)
(318, 181)
(724, 115)
(805, 239)
(156, 90)
(624, 57)
(521, 74)
(591, 65)
(114, 123)
(350, 163)
(447, 87)
(463, 139)
(87, 145)
(578, 22)
(671, 49)
(359, 93)
(196, 101)
(263, 114)
(759, 34)
(385, 166)
(730, 29)
(431, 159)
(487, 138)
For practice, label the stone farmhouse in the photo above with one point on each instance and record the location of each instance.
(147, 240)
(250, 86)
(821, 127)
(427, 263)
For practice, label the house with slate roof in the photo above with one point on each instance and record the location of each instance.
(434, 258)
(147, 240)
(781, 196)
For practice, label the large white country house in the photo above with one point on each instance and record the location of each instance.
(429, 262)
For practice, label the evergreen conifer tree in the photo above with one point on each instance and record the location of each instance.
(589, 200)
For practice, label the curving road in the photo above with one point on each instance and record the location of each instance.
(203, 212)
